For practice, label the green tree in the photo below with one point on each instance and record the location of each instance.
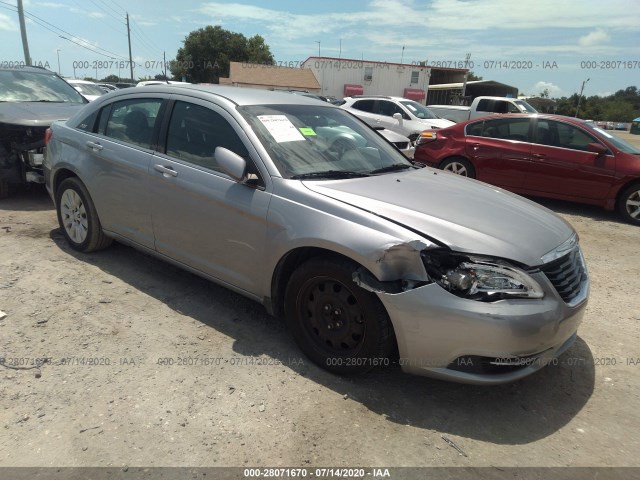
(622, 106)
(110, 79)
(471, 77)
(207, 53)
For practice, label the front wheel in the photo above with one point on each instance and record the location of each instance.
(77, 217)
(459, 166)
(338, 325)
(629, 204)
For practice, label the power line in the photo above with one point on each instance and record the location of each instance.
(39, 21)
(105, 10)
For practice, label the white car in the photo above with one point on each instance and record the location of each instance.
(146, 83)
(87, 89)
(401, 115)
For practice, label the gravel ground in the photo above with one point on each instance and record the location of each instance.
(152, 366)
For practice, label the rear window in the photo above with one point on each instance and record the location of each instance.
(502, 128)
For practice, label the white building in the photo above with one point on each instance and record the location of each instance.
(344, 77)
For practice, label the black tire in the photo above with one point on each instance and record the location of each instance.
(629, 203)
(460, 166)
(338, 325)
(78, 219)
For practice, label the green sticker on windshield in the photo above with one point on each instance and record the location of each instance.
(307, 131)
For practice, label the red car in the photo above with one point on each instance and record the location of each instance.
(542, 155)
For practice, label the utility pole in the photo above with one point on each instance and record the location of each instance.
(23, 32)
(129, 38)
(580, 97)
(58, 50)
(318, 42)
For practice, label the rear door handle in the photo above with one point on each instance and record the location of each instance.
(539, 155)
(165, 171)
(94, 146)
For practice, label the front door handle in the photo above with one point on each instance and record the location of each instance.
(165, 171)
(94, 146)
(539, 155)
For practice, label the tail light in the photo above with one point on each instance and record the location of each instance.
(48, 135)
(426, 137)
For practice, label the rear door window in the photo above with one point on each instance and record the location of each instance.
(502, 128)
(132, 121)
(364, 105)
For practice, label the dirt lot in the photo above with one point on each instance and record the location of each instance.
(152, 366)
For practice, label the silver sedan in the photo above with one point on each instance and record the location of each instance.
(303, 208)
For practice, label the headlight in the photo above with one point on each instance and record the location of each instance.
(479, 278)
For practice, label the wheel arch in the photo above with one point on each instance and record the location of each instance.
(60, 176)
(622, 188)
(286, 266)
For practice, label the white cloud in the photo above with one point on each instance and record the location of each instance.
(7, 23)
(95, 14)
(554, 90)
(597, 37)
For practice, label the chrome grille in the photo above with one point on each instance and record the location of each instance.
(568, 274)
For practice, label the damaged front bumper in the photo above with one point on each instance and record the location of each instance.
(445, 336)
(21, 154)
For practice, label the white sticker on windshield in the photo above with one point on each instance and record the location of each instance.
(281, 128)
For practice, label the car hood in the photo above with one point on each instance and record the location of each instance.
(33, 114)
(437, 122)
(464, 214)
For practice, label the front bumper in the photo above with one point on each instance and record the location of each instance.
(444, 336)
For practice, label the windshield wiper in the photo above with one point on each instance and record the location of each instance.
(330, 174)
(391, 168)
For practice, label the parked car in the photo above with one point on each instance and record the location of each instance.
(401, 142)
(107, 87)
(621, 126)
(146, 83)
(87, 89)
(481, 107)
(544, 155)
(360, 251)
(401, 115)
(601, 124)
(610, 126)
(30, 99)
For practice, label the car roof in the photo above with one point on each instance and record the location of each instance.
(550, 116)
(237, 95)
(78, 81)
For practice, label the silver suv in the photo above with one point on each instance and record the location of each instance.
(404, 116)
(300, 206)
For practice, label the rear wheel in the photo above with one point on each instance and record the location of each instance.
(77, 217)
(629, 203)
(459, 166)
(338, 325)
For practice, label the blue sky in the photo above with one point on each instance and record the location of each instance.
(531, 45)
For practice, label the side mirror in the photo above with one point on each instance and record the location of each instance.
(597, 148)
(231, 163)
(398, 117)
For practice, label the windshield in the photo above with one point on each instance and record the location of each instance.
(616, 141)
(419, 110)
(22, 86)
(305, 140)
(88, 88)
(525, 107)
